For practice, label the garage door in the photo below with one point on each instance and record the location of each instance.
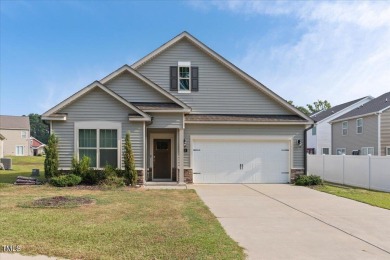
(228, 161)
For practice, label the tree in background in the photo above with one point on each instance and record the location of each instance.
(51, 160)
(317, 106)
(131, 175)
(38, 129)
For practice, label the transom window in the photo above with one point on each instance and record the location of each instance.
(359, 125)
(367, 150)
(341, 151)
(184, 77)
(345, 128)
(101, 145)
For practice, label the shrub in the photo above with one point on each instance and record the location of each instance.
(51, 160)
(65, 180)
(305, 180)
(130, 173)
(113, 181)
(80, 168)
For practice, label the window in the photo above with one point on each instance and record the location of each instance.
(184, 77)
(24, 134)
(101, 145)
(387, 150)
(19, 150)
(314, 131)
(345, 128)
(325, 151)
(359, 125)
(341, 151)
(367, 150)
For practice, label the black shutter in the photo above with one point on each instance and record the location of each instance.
(194, 79)
(173, 78)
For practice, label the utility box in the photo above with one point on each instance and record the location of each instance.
(35, 172)
(7, 162)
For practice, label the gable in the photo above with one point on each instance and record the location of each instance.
(134, 90)
(96, 105)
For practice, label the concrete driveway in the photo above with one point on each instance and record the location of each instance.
(278, 221)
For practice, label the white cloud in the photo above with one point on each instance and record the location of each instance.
(342, 52)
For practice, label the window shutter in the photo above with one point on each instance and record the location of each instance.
(194, 79)
(173, 78)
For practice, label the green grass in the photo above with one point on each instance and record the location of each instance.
(22, 166)
(374, 198)
(122, 223)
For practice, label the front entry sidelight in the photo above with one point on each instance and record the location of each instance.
(162, 159)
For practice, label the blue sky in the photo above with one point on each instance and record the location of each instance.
(303, 51)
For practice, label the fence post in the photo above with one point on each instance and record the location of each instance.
(343, 167)
(369, 171)
(323, 166)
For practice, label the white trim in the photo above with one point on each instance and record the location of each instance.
(342, 128)
(16, 150)
(244, 123)
(322, 151)
(265, 138)
(357, 126)
(184, 64)
(353, 117)
(367, 153)
(97, 125)
(54, 118)
(145, 80)
(167, 111)
(153, 136)
(226, 63)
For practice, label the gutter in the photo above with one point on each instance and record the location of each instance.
(305, 148)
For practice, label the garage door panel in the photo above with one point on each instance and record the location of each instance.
(240, 161)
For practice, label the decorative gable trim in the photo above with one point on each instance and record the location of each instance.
(229, 65)
(127, 68)
(52, 113)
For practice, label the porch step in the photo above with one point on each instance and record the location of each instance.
(165, 185)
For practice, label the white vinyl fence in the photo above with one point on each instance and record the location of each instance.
(365, 171)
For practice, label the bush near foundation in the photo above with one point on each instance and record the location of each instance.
(311, 180)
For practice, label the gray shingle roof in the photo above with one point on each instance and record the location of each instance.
(14, 122)
(375, 105)
(326, 113)
(244, 118)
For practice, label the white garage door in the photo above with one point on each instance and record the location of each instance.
(252, 161)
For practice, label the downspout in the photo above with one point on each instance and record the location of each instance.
(305, 148)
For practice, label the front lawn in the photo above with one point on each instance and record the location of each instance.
(22, 166)
(374, 198)
(121, 224)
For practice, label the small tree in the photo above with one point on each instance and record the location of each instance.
(51, 160)
(130, 175)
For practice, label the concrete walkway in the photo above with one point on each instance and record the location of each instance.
(277, 221)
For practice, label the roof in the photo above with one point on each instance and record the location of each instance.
(14, 122)
(331, 111)
(35, 142)
(51, 114)
(374, 106)
(244, 118)
(158, 106)
(222, 60)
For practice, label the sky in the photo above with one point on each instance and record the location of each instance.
(304, 51)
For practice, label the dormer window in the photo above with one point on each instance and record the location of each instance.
(184, 77)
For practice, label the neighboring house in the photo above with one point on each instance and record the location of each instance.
(319, 138)
(36, 146)
(16, 130)
(364, 130)
(1, 146)
(193, 117)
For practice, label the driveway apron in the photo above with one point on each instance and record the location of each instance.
(278, 221)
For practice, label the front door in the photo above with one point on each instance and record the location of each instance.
(162, 159)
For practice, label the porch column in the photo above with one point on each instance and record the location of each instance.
(181, 156)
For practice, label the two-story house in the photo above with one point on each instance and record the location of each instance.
(16, 133)
(319, 138)
(193, 117)
(364, 130)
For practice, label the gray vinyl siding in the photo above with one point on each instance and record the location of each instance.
(385, 131)
(134, 90)
(220, 90)
(96, 106)
(353, 141)
(241, 130)
(166, 120)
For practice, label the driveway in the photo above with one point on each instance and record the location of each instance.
(278, 221)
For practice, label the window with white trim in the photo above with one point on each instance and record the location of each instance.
(184, 77)
(325, 150)
(19, 150)
(24, 134)
(314, 131)
(367, 150)
(344, 128)
(359, 125)
(100, 145)
(341, 151)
